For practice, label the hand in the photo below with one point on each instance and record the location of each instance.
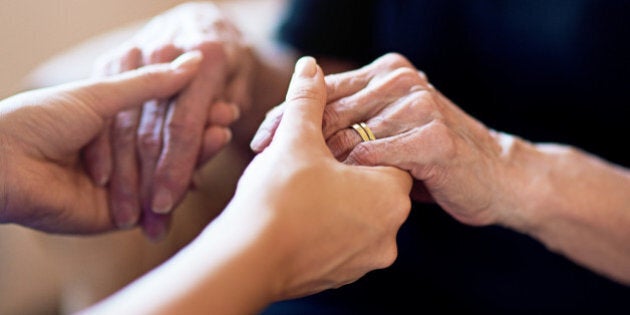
(299, 223)
(344, 217)
(456, 161)
(42, 181)
(149, 155)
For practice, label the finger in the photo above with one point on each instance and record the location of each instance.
(214, 139)
(347, 83)
(123, 189)
(149, 146)
(267, 129)
(410, 111)
(404, 152)
(305, 102)
(338, 86)
(183, 131)
(155, 226)
(223, 114)
(238, 89)
(368, 102)
(415, 151)
(98, 154)
(106, 97)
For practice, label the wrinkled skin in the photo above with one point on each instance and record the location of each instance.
(44, 184)
(455, 160)
(147, 156)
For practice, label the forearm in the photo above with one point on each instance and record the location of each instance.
(576, 204)
(224, 271)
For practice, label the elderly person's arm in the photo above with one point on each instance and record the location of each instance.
(573, 202)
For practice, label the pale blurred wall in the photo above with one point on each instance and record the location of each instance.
(33, 30)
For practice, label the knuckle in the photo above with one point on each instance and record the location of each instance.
(406, 77)
(182, 133)
(213, 50)
(341, 143)
(395, 60)
(403, 207)
(420, 104)
(364, 154)
(124, 132)
(331, 118)
(149, 145)
(423, 77)
(388, 256)
(161, 53)
(442, 139)
(304, 93)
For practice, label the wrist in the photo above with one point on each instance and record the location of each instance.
(246, 255)
(526, 187)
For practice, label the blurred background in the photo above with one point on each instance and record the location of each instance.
(33, 31)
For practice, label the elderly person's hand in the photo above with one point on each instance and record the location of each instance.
(456, 161)
(149, 156)
(300, 222)
(43, 183)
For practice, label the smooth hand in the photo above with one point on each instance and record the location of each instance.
(333, 222)
(148, 155)
(43, 183)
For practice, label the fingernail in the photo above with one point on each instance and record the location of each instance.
(126, 218)
(236, 111)
(103, 180)
(186, 59)
(306, 67)
(257, 141)
(126, 224)
(162, 201)
(228, 135)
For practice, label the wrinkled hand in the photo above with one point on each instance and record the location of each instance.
(149, 155)
(345, 217)
(456, 161)
(43, 183)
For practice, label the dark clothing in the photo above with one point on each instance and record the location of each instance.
(545, 70)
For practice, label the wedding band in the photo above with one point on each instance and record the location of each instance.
(361, 132)
(368, 131)
(364, 131)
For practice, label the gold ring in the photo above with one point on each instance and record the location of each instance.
(368, 131)
(364, 131)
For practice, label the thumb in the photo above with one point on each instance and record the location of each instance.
(304, 105)
(108, 96)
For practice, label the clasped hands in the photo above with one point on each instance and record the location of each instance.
(146, 157)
